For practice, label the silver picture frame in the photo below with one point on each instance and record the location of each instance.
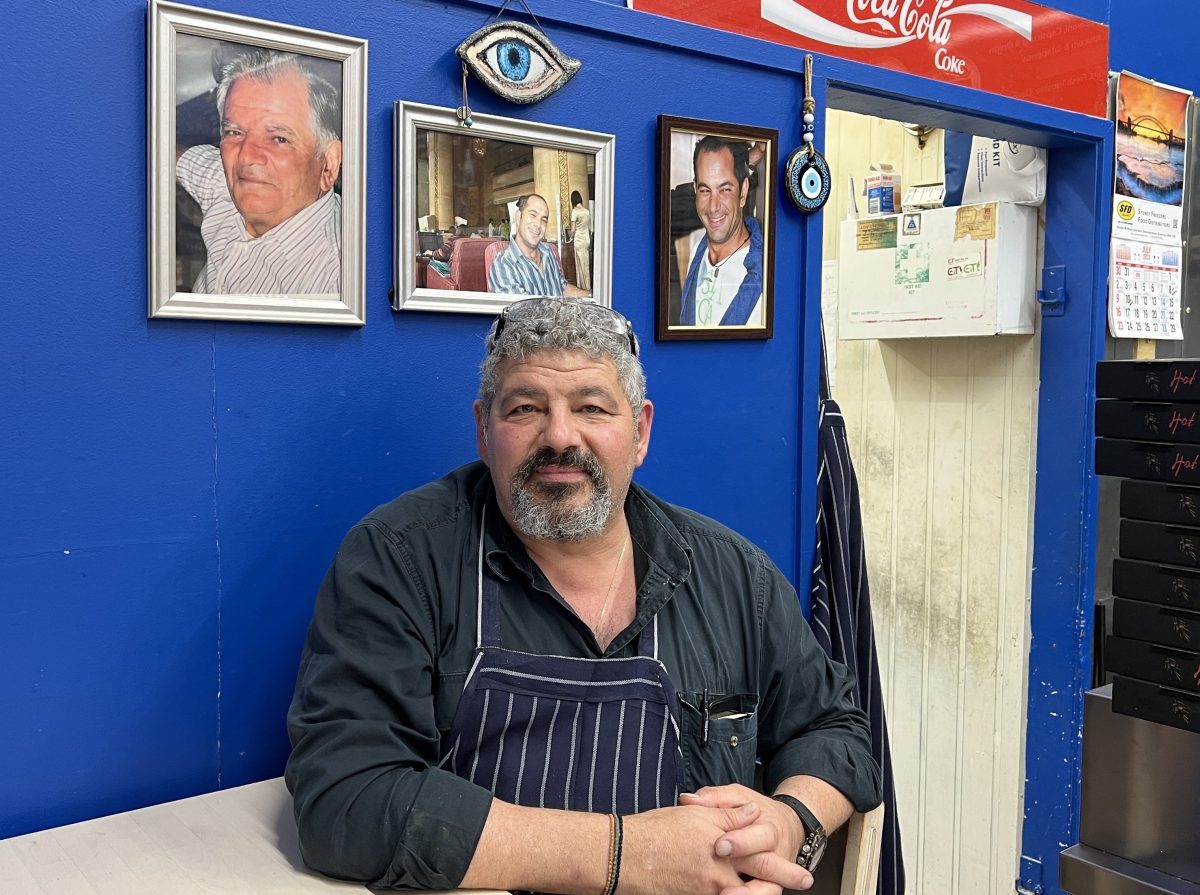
(414, 122)
(179, 37)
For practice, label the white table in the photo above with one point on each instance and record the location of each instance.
(240, 840)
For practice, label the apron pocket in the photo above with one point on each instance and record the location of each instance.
(728, 752)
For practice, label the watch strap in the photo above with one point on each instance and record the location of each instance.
(812, 848)
(807, 818)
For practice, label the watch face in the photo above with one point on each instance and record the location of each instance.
(812, 851)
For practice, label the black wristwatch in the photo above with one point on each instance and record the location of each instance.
(812, 849)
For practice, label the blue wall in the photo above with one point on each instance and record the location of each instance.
(173, 491)
(1160, 46)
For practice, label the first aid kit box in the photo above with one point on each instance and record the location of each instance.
(962, 271)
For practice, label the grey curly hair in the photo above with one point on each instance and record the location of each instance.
(561, 324)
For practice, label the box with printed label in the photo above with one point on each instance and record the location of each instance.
(1156, 542)
(882, 189)
(1148, 460)
(1148, 421)
(1163, 625)
(1160, 502)
(963, 271)
(1156, 583)
(1149, 380)
(1153, 702)
(1162, 664)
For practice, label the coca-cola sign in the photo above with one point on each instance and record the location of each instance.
(1010, 47)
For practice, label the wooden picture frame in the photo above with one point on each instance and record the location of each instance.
(714, 220)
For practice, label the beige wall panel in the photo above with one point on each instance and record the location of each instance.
(906, 687)
(942, 432)
(987, 827)
(876, 451)
(1013, 665)
(944, 475)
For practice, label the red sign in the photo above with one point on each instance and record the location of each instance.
(1009, 47)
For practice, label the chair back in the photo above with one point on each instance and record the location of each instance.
(489, 256)
(860, 870)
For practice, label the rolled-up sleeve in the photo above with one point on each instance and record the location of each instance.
(370, 803)
(809, 723)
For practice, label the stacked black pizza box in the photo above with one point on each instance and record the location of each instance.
(1148, 433)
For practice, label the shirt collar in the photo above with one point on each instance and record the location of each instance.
(543, 253)
(295, 222)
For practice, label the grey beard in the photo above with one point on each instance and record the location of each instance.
(548, 516)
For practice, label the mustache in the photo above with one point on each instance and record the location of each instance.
(571, 458)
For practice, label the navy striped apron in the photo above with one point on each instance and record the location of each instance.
(561, 732)
(841, 609)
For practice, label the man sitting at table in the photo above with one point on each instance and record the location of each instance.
(533, 674)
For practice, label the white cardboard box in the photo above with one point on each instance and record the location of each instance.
(963, 271)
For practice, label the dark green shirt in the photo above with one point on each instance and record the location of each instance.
(393, 636)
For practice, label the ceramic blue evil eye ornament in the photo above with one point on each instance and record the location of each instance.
(806, 173)
(517, 61)
(807, 178)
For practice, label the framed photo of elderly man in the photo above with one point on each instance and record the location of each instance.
(716, 230)
(257, 149)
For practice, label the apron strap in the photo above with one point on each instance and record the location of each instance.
(648, 639)
(487, 596)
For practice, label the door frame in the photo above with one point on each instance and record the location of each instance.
(1077, 213)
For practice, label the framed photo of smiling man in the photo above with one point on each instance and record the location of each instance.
(256, 169)
(716, 230)
(506, 208)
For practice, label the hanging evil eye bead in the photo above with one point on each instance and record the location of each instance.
(807, 177)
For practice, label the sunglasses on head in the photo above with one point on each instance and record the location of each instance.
(602, 317)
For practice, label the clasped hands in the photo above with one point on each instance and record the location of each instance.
(730, 840)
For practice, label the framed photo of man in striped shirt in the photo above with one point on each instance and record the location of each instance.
(503, 210)
(256, 169)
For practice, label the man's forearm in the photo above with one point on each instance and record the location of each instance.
(831, 808)
(666, 851)
(541, 849)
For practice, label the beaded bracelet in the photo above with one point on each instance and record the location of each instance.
(614, 854)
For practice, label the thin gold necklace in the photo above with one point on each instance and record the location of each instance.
(716, 268)
(600, 629)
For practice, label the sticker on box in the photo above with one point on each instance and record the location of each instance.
(878, 234)
(959, 267)
(912, 264)
(975, 221)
